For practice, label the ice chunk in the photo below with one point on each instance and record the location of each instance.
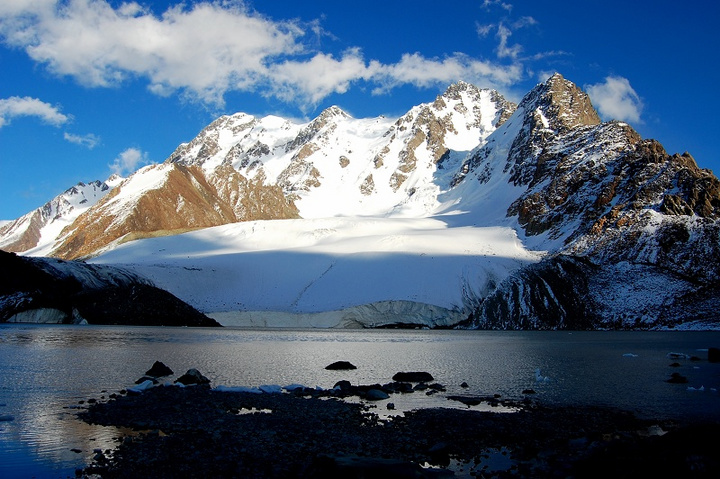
(142, 386)
(540, 378)
(271, 388)
(238, 389)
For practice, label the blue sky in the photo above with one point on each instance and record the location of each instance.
(92, 87)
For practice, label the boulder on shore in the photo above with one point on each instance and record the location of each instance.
(677, 378)
(159, 370)
(413, 377)
(192, 377)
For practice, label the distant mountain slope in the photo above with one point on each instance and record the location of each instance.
(40, 228)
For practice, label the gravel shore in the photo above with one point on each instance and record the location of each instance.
(199, 432)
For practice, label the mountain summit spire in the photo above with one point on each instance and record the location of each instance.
(563, 104)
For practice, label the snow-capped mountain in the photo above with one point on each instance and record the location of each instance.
(242, 168)
(469, 209)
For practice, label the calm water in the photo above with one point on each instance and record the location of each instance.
(47, 370)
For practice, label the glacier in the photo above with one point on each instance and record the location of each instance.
(329, 272)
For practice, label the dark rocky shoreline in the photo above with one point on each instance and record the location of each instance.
(200, 432)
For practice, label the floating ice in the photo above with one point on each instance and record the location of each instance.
(678, 356)
(539, 377)
(293, 387)
(271, 388)
(630, 355)
(147, 384)
(238, 389)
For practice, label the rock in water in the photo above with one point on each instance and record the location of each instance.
(159, 370)
(340, 366)
(191, 377)
(413, 377)
(714, 355)
(677, 378)
(343, 385)
(376, 395)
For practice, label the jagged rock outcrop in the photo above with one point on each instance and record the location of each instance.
(55, 291)
(574, 293)
(553, 294)
(600, 193)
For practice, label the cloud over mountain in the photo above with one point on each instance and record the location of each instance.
(206, 50)
(615, 98)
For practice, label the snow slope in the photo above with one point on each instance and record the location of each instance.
(418, 268)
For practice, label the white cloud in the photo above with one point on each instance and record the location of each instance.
(504, 5)
(504, 50)
(484, 30)
(204, 50)
(423, 72)
(17, 7)
(89, 141)
(543, 75)
(524, 22)
(26, 106)
(314, 79)
(616, 99)
(128, 161)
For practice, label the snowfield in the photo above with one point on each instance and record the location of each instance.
(331, 272)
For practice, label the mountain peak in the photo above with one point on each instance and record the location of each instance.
(455, 91)
(562, 103)
(332, 111)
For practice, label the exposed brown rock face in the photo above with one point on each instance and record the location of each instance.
(185, 200)
(368, 185)
(624, 196)
(634, 202)
(566, 104)
(24, 231)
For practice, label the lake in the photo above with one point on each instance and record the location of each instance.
(48, 369)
